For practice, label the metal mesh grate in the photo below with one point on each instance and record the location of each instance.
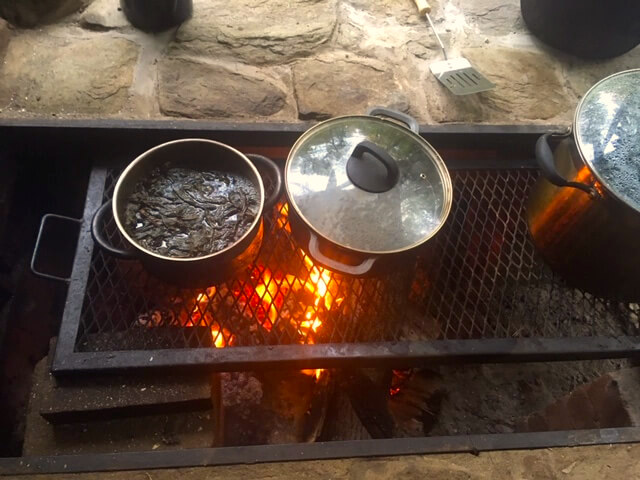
(283, 299)
(479, 278)
(483, 278)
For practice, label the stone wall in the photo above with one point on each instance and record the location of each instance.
(288, 60)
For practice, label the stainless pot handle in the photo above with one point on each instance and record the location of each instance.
(36, 249)
(353, 270)
(408, 120)
(546, 163)
(101, 239)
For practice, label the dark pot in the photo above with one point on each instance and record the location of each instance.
(156, 15)
(195, 154)
(585, 28)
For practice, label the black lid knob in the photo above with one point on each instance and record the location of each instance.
(371, 168)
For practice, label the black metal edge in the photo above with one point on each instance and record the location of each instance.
(187, 124)
(379, 354)
(159, 124)
(65, 346)
(493, 146)
(207, 457)
(138, 135)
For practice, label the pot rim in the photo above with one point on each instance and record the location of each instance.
(578, 141)
(142, 156)
(447, 197)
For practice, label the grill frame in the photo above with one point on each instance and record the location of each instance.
(495, 147)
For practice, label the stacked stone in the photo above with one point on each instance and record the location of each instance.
(284, 60)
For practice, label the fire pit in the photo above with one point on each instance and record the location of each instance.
(479, 294)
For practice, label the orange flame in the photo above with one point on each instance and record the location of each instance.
(265, 301)
(283, 217)
(200, 315)
(318, 373)
(322, 285)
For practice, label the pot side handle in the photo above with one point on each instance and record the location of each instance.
(352, 270)
(36, 248)
(268, 166)
(408, 120)
(547, 165)
(101, 239)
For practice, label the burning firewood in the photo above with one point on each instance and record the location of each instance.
(394, 404)
(273, 407)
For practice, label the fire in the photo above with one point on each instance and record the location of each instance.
(318, 373)
(398, 380)
(267, 299)
(324, 289)
(200, 316)
(264, 297)
(321, 284)
(283, 217)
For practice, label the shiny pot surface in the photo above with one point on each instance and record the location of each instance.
(196, 154)
(583, 212)
(365, 191)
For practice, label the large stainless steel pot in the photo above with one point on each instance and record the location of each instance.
(584, 211)
(365, 191)
(196, 154)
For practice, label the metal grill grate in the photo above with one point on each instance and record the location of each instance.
(479, 278)
(488, 281)
(283, 299)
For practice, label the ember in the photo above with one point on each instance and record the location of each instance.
(398, 380)
(199, 315)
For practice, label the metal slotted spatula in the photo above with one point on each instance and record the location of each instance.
(457, 74)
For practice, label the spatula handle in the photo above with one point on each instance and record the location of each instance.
(423, 7)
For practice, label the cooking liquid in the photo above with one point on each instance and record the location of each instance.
(183, 213)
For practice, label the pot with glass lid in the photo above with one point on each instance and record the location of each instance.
(584, 211)
(365, 191)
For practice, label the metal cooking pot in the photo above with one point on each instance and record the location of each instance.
(584, 211)
(196, 154)
(365, 191)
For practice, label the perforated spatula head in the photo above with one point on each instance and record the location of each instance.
(457, 74)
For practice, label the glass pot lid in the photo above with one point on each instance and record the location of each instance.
(368, 184)
(607, 126)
